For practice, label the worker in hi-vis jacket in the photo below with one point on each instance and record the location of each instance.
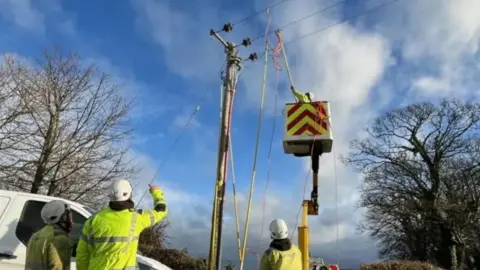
(109, 238)
(302, 98)
(282, 254)
(50, 248)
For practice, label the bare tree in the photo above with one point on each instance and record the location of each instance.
(11, 109)
(421, 183)
(154, 238)
(74, 137)
(153, 244)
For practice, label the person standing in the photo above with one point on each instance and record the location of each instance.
(51, 248)
(282, 254)
(109, 238)
(302, 98)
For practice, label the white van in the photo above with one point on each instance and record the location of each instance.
(20, 218)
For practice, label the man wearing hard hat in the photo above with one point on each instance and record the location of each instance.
(50, 248)
(110, 238)
(282, 254)
(302, 98)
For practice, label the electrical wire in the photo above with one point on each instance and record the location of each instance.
(336, 199)
(195, 111)
(232, 168)
(341, 22)
(257, 143)
(177, 139)
(301, 205)
(305, 17)
(259, 11)
(269, 159)
(225, 168)
(235, 207)
(327, 27)
(306, 179)
(313, 14)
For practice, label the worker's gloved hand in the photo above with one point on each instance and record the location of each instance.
(152, 188)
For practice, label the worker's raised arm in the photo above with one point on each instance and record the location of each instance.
(299, 97)
(84, 247)
(295, 93)
(149, 218)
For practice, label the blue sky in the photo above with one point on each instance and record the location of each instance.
(160, 49)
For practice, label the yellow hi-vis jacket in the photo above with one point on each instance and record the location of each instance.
(110, 238)
(49, 249)
(278, 258)
(299, 97)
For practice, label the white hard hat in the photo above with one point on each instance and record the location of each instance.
(120, 191)
(278, 229)
(52, 211)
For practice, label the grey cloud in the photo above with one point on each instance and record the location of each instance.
(328, 217)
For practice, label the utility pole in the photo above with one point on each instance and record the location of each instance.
(232, 67)
(229, 83)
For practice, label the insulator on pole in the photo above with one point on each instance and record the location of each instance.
(227, 27)
(253, 57)
(247, 42)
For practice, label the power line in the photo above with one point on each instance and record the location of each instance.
(259, 11)
(341, 22)
(177, 139)
(172, 147)
(313, 14)
(229, 26)
(305, 17)
(329, 26)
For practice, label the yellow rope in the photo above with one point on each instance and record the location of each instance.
(257, 142)
(237, 226)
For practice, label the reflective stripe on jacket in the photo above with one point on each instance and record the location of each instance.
(109, 239)
(281, 259)
(49, 249)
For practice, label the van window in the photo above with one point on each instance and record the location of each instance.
(3, 204)
(31, 222)
(143, 266)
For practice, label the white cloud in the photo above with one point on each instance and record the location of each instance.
(23, 14)
(342, 66)
(32, 16)
(190, 217)
(141, 94)
(438, 44)
(163, 21)
(442, 34)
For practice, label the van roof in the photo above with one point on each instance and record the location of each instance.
(39, 196)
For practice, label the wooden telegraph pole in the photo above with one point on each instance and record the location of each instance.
(232, 66)
(229, 83)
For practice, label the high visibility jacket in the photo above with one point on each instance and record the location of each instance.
(109, 238)
(299, 97)
(49, 249)
(275, 258)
